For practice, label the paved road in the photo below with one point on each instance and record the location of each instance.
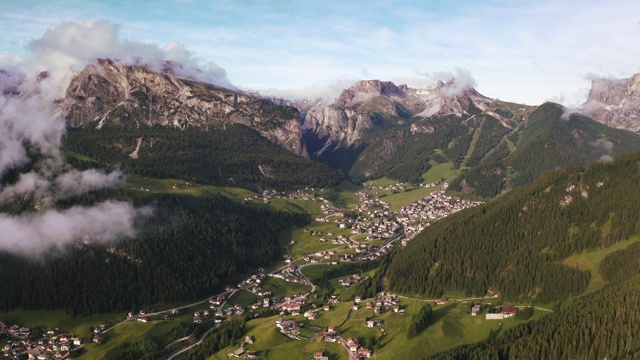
(200, 340)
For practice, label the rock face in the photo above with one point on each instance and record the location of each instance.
(615, 103)
(99, 93)
(365, 104)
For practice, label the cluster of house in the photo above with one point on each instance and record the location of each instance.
(253, 283)
(51, 345)
(377, 225)
(397, 187)
(291, 307)
(319, 255)
(266, 195)
(290, 274)
(350, 280)
(415, 217)
(242, 353)
(505, 312)
(357, 352)
(382, 304)
(319, 355)
(288, 327)
(177, 185)
(329, 211)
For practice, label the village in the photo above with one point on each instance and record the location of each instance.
(373, 231)
(39, 344)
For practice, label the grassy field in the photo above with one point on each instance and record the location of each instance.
(307, 244)
(59, 319)
(243, 298)
(439, 172)
(306, 349)
(166, 186)
(452, 327)
(397, 201)
(128, 332)
(590, 260)
(316, 271)
(297, 206)
(71, 154)
(284, 288)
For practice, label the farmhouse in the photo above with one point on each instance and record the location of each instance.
(509, 311)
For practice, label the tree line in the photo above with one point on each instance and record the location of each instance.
(233, 156)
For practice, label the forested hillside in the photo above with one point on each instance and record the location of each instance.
(189, 248)
(602, 325)
(514, 244)
(549, 140)
(233, 155)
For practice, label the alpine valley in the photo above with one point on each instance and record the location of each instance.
(391, 222)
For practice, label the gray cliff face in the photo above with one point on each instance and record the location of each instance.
(615, 103)
(360, 107)
(97, 94)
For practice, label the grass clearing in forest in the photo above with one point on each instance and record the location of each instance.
(243, 298)
(397, 201)
(452, 326)
(177, 186)
(284, 288)
(439, 172)
(307, 243)
(590, 260)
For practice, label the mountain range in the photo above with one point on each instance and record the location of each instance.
(570, 197)
(373, 129)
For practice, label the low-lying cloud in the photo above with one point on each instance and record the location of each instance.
(461, 80)
(31, 122)
(33, 234)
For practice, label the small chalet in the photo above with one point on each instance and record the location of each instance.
(352, 344)
(239, 352)
(509, 311)
(370, 323)
(364, 352)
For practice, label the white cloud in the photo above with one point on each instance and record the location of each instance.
(32, 235)
(30, 119)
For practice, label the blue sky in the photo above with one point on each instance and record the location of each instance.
(520, 51)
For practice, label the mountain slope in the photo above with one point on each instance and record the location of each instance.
(547, 140)
(514, 244)
(233, 155)
(373, 123)
(100, 92)
(156, 124)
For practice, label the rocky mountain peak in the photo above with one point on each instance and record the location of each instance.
(364, 90)
(110, 92)
(450, 98)
(615, 102)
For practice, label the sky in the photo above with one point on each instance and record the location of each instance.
(521, 51)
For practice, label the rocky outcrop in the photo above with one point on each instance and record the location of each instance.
(101, 92)
(615, 102)
(369, 102)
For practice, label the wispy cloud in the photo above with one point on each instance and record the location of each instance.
(547, 45)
